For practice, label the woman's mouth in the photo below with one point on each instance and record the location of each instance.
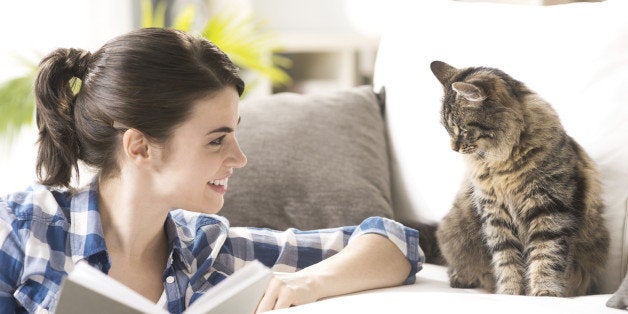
(219, 186)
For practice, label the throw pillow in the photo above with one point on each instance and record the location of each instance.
(314, 161)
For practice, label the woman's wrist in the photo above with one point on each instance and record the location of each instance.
(320, 281)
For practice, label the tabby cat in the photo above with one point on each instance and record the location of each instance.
(528, 217)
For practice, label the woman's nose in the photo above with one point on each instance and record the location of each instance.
(237, 158)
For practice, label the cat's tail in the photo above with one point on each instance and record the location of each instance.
(428, 242)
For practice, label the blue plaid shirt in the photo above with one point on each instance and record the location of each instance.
(44, 233)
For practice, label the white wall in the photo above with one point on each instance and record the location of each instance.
(32, 28)
(322, 16)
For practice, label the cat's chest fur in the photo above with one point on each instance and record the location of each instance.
(498, 186)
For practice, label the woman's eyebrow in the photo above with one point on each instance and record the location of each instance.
(224, 129)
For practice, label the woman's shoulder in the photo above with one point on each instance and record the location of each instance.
(37, 202)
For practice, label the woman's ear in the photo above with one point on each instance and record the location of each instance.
(135, 146)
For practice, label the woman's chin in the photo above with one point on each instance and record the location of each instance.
(214, 206)
(210, 207)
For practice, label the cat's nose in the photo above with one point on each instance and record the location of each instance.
(455, 145)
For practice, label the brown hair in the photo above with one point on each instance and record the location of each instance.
(147, 79)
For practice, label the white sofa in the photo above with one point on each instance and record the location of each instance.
(574, 55)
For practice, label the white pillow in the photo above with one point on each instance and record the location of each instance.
(574, 55)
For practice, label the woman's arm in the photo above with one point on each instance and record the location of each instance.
(369, 261)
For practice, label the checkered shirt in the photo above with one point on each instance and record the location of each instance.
(45, 232)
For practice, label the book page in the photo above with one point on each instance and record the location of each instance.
(88, 290)
(238, 293)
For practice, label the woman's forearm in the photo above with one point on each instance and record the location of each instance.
(369, 261)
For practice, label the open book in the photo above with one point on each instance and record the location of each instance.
(88, 290)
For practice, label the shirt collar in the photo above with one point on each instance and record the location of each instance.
(87, 239)
(179, 239)
(195, 237)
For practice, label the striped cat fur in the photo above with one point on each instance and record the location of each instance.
(528, 217)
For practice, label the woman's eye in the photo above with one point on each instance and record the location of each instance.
(218, 141)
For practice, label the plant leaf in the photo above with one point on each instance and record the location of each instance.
(147, 13)
(17, 104)
(153, 17)
(183, 21)
(159, 18)
(247, 44)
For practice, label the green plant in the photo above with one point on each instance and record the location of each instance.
(17, 104)
(244, 40)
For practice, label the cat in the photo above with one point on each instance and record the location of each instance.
(527, 219)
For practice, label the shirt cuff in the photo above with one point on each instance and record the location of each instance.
(406, 239)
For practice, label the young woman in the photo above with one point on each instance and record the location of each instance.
(156, 114)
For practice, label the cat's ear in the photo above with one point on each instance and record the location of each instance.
(443, 71)
(468, 91)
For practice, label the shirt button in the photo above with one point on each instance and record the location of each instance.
(170, 279)
(43, 311)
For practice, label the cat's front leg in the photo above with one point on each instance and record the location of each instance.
(547, 252)
(505, 247)
(462, 244)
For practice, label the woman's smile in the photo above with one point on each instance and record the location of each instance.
(219, 186)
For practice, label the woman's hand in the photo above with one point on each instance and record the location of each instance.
(288, 289)
(369, 261)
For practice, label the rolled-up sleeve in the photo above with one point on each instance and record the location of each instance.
(406, 239)
(294, 249)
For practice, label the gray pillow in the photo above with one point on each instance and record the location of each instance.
(314, 161)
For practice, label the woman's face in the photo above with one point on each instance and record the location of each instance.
(201, 155)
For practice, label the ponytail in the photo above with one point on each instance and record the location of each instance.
(58, 142)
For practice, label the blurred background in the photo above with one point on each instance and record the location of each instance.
(298, 46)
(301, 46)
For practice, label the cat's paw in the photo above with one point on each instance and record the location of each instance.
(512, 289)
(458, 281)
(547, 288)
(487, 281)
(546, 293)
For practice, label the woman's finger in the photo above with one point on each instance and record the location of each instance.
(269, 299)
(284, 300)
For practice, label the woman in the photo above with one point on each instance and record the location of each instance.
(156, 114)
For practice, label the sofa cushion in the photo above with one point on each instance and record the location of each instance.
(314, 161)
(432, 294)
(573, 55)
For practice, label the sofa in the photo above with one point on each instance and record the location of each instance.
(330, 159)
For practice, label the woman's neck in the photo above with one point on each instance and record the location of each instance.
(133, 224)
